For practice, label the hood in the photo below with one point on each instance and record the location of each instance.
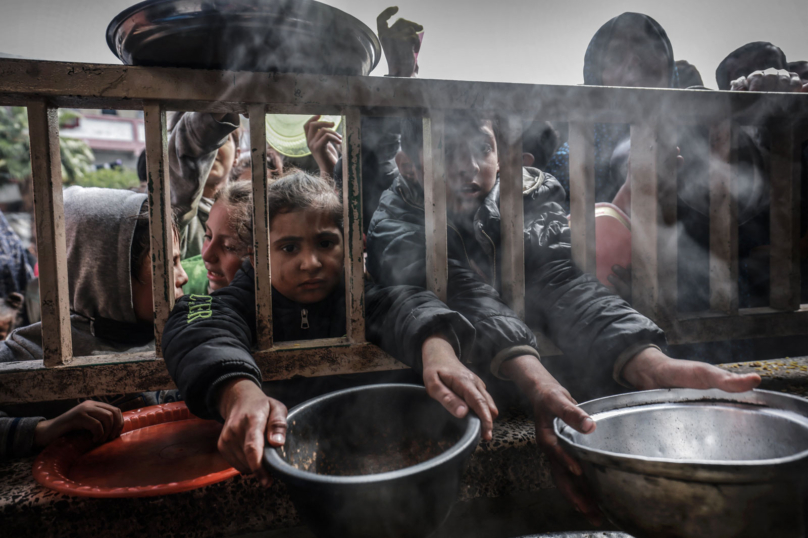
(756, 56)
(595, 52)
(99, 228)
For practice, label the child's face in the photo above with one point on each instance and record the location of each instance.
(472, 165)
(306, 255)
(222, 250)
(226, 157)
(142, 299)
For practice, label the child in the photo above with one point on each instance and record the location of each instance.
(207, 340)
(584, 319)
(109, 270)
(227, 243)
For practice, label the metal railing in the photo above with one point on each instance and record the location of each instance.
(43, 87)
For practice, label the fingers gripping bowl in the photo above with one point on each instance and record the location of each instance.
(692, 463)
(380, 460)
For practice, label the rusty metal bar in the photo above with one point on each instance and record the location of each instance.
(261, 217)
(160, 218)
(437, 256)
(653, 216)
(352, 217)
(512, 210)
(112, 86)
(46, 169)
(785, 218)
(582, 195)
(723, 220)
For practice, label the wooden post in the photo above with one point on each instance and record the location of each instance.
(263, 268)
(785, 217)
(437, 256)
(160, 218)
(723, 221)
(653, 220)
(582, 195)
(352, 208)
(512, 211)
(46, 169)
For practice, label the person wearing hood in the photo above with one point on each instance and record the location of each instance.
(111, 306)
(630, 50)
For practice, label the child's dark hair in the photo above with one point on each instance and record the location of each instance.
(412, 131)
(299, 191)
(237, 195)
(141, 240)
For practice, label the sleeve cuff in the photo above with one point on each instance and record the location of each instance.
(626, 356)
(511, 353)
(211, 401)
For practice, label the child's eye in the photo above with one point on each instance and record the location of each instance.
(288, 248)
(326, 243)
(228, 248)
(208, 237)
(486, 148)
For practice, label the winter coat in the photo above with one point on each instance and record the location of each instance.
(580, 315)
(208, 338)
(192, 147)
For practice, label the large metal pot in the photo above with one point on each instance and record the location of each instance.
(290, 36)
(686, 463)
(409, 502)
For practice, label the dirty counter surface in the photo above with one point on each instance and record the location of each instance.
(506, 492)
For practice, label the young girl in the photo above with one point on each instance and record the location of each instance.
(208, 338)
(227, 242)
(110, 283)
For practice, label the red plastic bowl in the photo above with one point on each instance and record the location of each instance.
(163, 449)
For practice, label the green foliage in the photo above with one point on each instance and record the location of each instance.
(110, 179)
(15, 148)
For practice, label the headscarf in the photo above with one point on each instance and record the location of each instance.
(608, 135)
(777, 61)
(15, 272)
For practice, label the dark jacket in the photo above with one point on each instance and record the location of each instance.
(208, 338)
(582, 317)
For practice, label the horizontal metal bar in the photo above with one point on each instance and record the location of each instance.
(126, 86)
(750, 323)
(137, 372)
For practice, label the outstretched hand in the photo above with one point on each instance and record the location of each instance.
(550, 400)
(103, 421)
(401, 43)
(251, 419)
(652, 369)
(324, 143)
(456, 387)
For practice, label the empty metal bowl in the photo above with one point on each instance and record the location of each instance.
(289, 36)
(340, 449)
(684, 463)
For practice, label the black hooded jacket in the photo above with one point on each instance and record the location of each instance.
(581, 316)
(208, 339)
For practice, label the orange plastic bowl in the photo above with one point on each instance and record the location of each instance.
(163, 449)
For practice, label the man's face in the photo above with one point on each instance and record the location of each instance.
(471, 167)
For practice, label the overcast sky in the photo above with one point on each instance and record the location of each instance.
(531, 41)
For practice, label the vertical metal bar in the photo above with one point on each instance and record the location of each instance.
(582, 195)
(785, 218)
(263, 268)
(46, 169)
(512, 211)
(160, 218)
(723, 221)
(437, 257)
(667, 235)
(352, 208)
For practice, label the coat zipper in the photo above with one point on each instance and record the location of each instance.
(304, 319)
(493, 259)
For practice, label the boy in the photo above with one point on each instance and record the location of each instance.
(584, 319)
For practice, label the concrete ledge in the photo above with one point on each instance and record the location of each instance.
(508, 467)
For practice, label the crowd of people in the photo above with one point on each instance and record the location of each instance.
(463, 349)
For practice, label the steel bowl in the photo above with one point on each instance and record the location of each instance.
(353, 424)
(688, 463)
(290, 36)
